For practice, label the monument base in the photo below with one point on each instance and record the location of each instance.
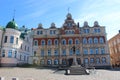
(76, 70)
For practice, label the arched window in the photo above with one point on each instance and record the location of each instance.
(76, 41)
(49, 62)
(49, 42)
(63, 42)
(95, 40)
(56, 62)
(42, 42)
(90, 41)
(35, 43)
(56, 42)
(101, 40)
(70, 41)
(84, 41)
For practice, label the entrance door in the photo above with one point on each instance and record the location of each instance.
(70, 61)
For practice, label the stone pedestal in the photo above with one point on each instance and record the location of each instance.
(76, 70)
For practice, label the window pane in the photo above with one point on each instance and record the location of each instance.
(85, 51)
(56, 61)
(49, 52)
(42, 53)
(10, 53)
(5, 41)
(49, 62)
(3, 53)
(12, 39)
(91, 51)
(70, 52)
(91, 60)
(63, 52)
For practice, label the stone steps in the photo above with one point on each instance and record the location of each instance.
(76, 71)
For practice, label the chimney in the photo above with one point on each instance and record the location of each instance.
(78, 25)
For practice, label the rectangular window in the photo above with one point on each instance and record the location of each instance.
(38, 32)
(12, 39)
(15, 56)
(34, 53)
(51, 32)
(86, 60)
(10, 53)
(41, 32)
(16, 40)
(96, 51)
(71, 52)
(56, 52)
(3, 53)
(5, 40)
(91, 51)
(28, 49)
(64, 52)
(86, 30)
(91, 60)
(77, 52)
(85, 51)
(49, 52)
(42, 53)
(102, 51)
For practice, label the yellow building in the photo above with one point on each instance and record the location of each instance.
(114, 46)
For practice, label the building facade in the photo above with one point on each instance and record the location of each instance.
(53, 46)
(15, 47)
(114, 47)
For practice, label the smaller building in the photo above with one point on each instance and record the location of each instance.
(15, 46)
(114, 46)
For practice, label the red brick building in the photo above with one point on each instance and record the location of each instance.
(53, 46)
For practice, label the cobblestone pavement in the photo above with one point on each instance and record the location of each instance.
(48, 74)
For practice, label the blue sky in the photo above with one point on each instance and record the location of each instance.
(32, 12)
